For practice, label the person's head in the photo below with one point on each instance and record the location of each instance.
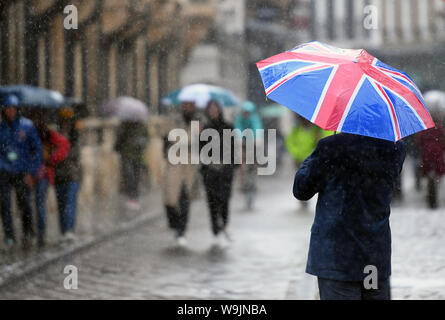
(66, 117)
(188, 109)
(247, 109)
(9, 107)
(214, 111)
(37, 117)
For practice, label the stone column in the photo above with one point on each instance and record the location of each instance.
(57, 54)
(42, 56)
(406, 20)
(340, 19)
(359, 32)
(20, 41)
(154, 83)
(12, 34)
(141, 60)
(423, 17)
(390, 20)
(112, 71)
(439, 18)
(78, 76)
(320, 19)
(92, 55)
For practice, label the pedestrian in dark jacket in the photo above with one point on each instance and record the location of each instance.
(218, 177)
(132, 139)
(55, 149)
(354, 177)
(20, 159)
(68, 174)
(431, 145)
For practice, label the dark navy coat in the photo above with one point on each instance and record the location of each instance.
(354, 177)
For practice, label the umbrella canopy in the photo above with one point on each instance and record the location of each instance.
(201, 94)
(30, 96)
(346, 91)
(273, 111)
(171, 99)
(435, 100)
(127, 109)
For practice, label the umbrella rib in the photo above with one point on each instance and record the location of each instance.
(293, 74)
(323, 94)
(399, 89)
(350, 102)
(390, 106)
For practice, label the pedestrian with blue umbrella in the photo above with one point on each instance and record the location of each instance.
(354, 173)
(20, 159)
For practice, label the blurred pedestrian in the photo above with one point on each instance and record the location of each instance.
(431, 144)
(55, 149)
(131, 141)
(354, 177)
(248, 120)
(68, 174)
(302, 140)
(218, 177)
(20, 159)
(179, 178)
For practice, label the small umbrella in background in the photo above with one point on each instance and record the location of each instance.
(201, 94)
(435, 100)
(127, 109)
(171, 99)
(273, 111)
(30, 96)
(345, 90)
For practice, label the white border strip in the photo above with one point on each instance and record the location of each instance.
(323, 94)
(351, 100)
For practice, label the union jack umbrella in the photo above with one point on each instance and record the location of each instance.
(346, 90)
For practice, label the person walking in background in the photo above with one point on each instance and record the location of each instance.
(131, 141)
(354, 177)
(20, 159)
(55, 149)
(248, 119)
(68, 174)
(179, 178)
(218, 177)
(431, 144)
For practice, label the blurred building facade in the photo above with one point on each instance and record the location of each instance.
(409, 34)
(121, 47)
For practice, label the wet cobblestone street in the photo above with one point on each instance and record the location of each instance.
(265, 260)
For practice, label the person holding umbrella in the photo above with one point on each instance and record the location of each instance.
(131, 141)
(20, 158)
(354, 173)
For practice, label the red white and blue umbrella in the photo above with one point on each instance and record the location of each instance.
(346, 90)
